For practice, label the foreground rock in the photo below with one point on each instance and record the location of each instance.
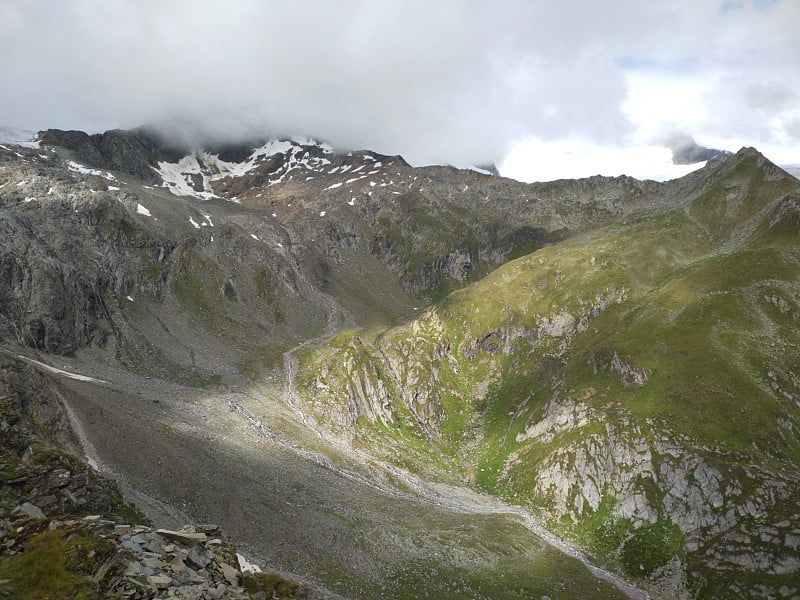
(118, 560)
(66, 532)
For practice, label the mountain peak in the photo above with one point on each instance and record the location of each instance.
(749, 153)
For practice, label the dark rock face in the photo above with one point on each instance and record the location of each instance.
(58, 296)
(79, 142)
(134, 152)
(235, 152)
(128, 153)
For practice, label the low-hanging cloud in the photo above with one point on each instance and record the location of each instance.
(447, 81)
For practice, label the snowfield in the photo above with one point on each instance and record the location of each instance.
(181, 178)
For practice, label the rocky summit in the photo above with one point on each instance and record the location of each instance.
(390, 381)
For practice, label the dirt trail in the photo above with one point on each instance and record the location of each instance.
(50, 369)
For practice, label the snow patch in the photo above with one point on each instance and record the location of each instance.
(479, 170)
(79, 168)
(194, 223)
(141, 210)
(181, 178)
(246, 566)
(322, 213)
(307, 141)
(177, 177)
(254, 236)
(334, 186)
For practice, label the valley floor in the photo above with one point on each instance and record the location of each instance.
(305, 507)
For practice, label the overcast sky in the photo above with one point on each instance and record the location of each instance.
(544, 89)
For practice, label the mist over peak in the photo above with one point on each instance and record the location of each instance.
(686, 151)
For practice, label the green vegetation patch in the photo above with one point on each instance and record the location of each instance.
(519, 577)
(272, 586)
(55, 564)
(605, 533)
(651, 546)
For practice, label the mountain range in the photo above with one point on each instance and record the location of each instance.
(392, 381)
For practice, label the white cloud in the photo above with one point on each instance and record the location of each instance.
(536, 160)
(447, 81)
(658, 104)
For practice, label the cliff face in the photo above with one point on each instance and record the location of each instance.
(90, 259)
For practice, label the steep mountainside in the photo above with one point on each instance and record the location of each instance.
(616, 357)
(637, 385)
(288, 241)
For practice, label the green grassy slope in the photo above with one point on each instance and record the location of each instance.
(638, 384)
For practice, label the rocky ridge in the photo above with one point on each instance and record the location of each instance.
(112, 560)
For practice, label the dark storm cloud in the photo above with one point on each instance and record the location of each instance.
(452, 81)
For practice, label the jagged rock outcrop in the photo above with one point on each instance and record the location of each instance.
(122, 560)
(134, 152)
(359, 382)
(636, 480)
